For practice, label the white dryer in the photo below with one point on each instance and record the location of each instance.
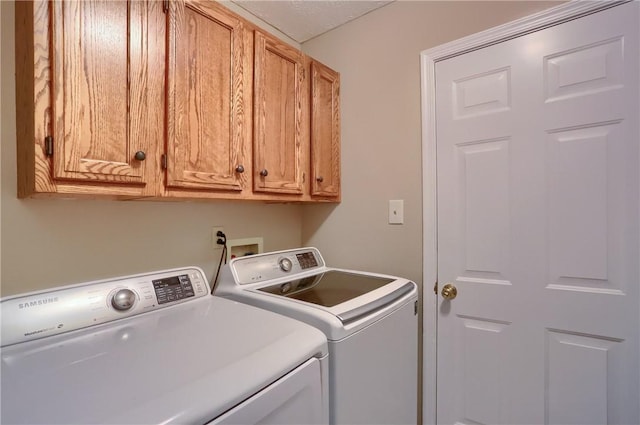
(156, 348)
(370, 320)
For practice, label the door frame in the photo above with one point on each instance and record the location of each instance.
(428, 59)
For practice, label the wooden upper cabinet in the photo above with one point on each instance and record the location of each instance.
(205, 146)
(169, 99)
(99, 90)
(325, 131)
(278, 136)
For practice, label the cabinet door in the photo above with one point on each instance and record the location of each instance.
(204, 97)
(325, 131)
(99, 81)
(278, 129)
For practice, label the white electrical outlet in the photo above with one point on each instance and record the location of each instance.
(215, 237)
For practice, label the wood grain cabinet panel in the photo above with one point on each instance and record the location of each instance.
(279, 87)
(88, 99)
(325, 131)
(205, 97)
(99, 89)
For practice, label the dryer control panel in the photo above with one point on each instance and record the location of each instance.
(46, 313)
(274, 265)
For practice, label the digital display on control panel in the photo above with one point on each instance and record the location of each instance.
(173, 288)
(307, 260)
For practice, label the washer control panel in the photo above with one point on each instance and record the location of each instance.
(173, 288)
(46, 313)
(274, 265)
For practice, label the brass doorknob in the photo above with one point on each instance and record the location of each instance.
(449, 292)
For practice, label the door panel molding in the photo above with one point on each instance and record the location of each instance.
(428, 59)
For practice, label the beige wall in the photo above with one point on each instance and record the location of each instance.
(378, 58)
(53, 242)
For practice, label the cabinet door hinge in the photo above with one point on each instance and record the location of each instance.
(435, 288)
(415, 308)
(165, 6)
(48, 146)
(163, 161)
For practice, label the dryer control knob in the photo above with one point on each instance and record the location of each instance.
(285, 264)
(123, 300)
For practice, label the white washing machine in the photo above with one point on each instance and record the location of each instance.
(156, 348)
(370, 320)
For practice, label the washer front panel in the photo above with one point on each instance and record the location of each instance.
(276, 265)
(47, 313)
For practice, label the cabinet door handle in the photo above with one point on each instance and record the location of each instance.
(319, 179)
(239, 169)
(264, 173)
(140, 156)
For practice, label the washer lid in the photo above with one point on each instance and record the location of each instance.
(329, 288)
(183, 364)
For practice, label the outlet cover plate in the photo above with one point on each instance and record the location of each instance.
(396, 211)
(214, 237)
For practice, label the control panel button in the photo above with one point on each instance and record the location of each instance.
(285, 264)
(123, 300)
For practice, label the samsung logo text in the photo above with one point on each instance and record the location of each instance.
(37, 303)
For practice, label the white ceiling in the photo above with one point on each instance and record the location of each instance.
(304, 19)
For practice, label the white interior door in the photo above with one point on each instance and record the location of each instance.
(538, 226)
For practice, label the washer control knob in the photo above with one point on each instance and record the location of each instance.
(285, 264)
(123, 300)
